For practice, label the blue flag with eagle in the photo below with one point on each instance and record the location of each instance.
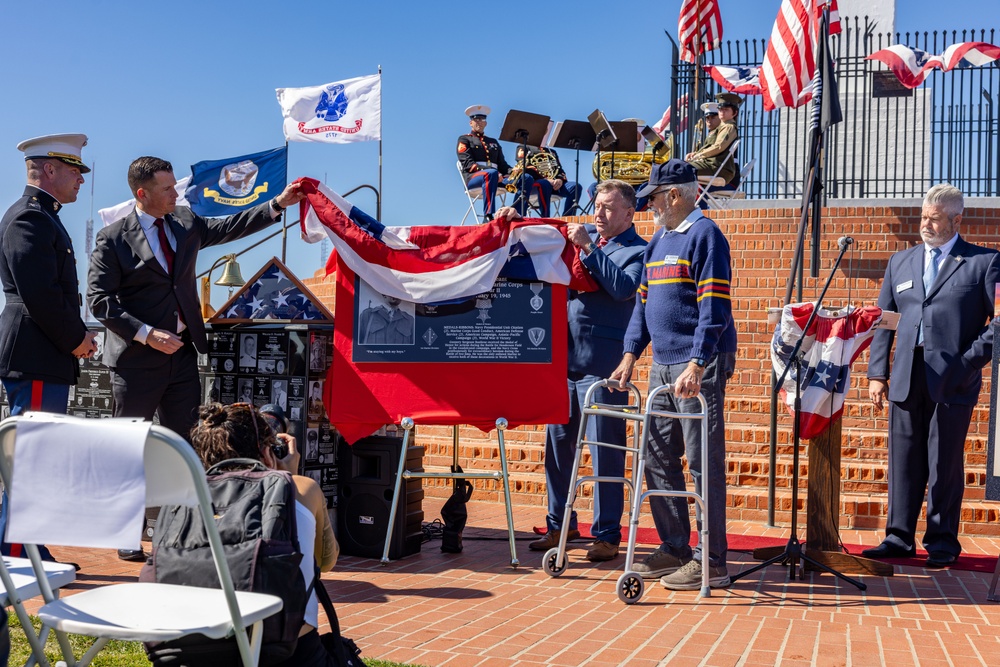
(224, 187)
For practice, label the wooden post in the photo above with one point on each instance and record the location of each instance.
(823, 509)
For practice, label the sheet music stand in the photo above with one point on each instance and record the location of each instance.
(574, 135)
(654, 140)
(527, 129)
(402, 473)
(618, 136)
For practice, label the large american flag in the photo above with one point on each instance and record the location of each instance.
(699, 20)
(790, 61)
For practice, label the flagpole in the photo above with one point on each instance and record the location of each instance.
(284, 225)
(378, 203)
(695, 133)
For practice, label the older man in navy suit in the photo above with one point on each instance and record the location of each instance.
(612, 252)
(943, 290)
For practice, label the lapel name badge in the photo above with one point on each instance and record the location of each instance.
(902, 287)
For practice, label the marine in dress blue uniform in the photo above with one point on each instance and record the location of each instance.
(484, 165)
(41, 332)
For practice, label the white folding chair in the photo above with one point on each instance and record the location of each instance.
(20, 584)
(139, 611)
(719, 198)
(476, 194)
(705, 182)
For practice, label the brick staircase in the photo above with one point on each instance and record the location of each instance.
(762, 244)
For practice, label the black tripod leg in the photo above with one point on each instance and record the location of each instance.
(782, 557)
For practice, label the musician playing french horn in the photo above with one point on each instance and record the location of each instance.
(484, 166)
(550, 178)
(720, 118)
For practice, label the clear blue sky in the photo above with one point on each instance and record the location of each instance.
(191, 81)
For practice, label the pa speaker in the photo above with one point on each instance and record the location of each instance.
(367, 479)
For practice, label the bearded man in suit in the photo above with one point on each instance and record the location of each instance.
(943, 290)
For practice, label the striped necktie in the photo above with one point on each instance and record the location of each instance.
(930, 275)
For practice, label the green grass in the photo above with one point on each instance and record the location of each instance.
(115, 654)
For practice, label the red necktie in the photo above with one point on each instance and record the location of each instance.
(168, 252)
(601, 242)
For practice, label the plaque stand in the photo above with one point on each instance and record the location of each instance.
(454, 473)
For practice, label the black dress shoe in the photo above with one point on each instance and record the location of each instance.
(887, 550)
(940, 559)
(134, 555)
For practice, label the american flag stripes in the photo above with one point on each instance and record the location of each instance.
(790, 61)
(830, 347)
(699, 28)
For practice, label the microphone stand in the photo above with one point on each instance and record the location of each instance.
(794, 551)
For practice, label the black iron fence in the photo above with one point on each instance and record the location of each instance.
(893, 142)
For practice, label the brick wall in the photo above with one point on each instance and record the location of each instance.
(763, 242)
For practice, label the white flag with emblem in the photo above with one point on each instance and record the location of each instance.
(335, 113)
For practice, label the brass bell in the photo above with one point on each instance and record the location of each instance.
(231, 276)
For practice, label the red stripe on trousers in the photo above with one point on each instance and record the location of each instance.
(36, 394)
(17, 550)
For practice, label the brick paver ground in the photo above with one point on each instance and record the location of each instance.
(439, 609)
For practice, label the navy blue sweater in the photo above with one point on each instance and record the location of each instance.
(684, 307)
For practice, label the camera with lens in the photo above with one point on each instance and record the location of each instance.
(275, 418)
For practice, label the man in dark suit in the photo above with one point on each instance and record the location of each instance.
(141, 286)
(943, 290)
(612, 252)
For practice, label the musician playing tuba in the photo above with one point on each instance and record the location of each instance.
(550, 178)
(484, 166)
(720, 117)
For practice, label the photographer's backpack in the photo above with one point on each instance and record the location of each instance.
(255, 512)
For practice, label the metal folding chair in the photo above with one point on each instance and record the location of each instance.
(715, 180)
(136, 611)
(20, 583)
(718, 199)
(476, 194)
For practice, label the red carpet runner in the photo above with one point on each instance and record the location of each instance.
(970, 562)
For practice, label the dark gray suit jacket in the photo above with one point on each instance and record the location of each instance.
(597, 320)
(958, 341)
(127, 287)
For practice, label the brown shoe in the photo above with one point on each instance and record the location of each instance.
(601, 551)
(551, 540)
